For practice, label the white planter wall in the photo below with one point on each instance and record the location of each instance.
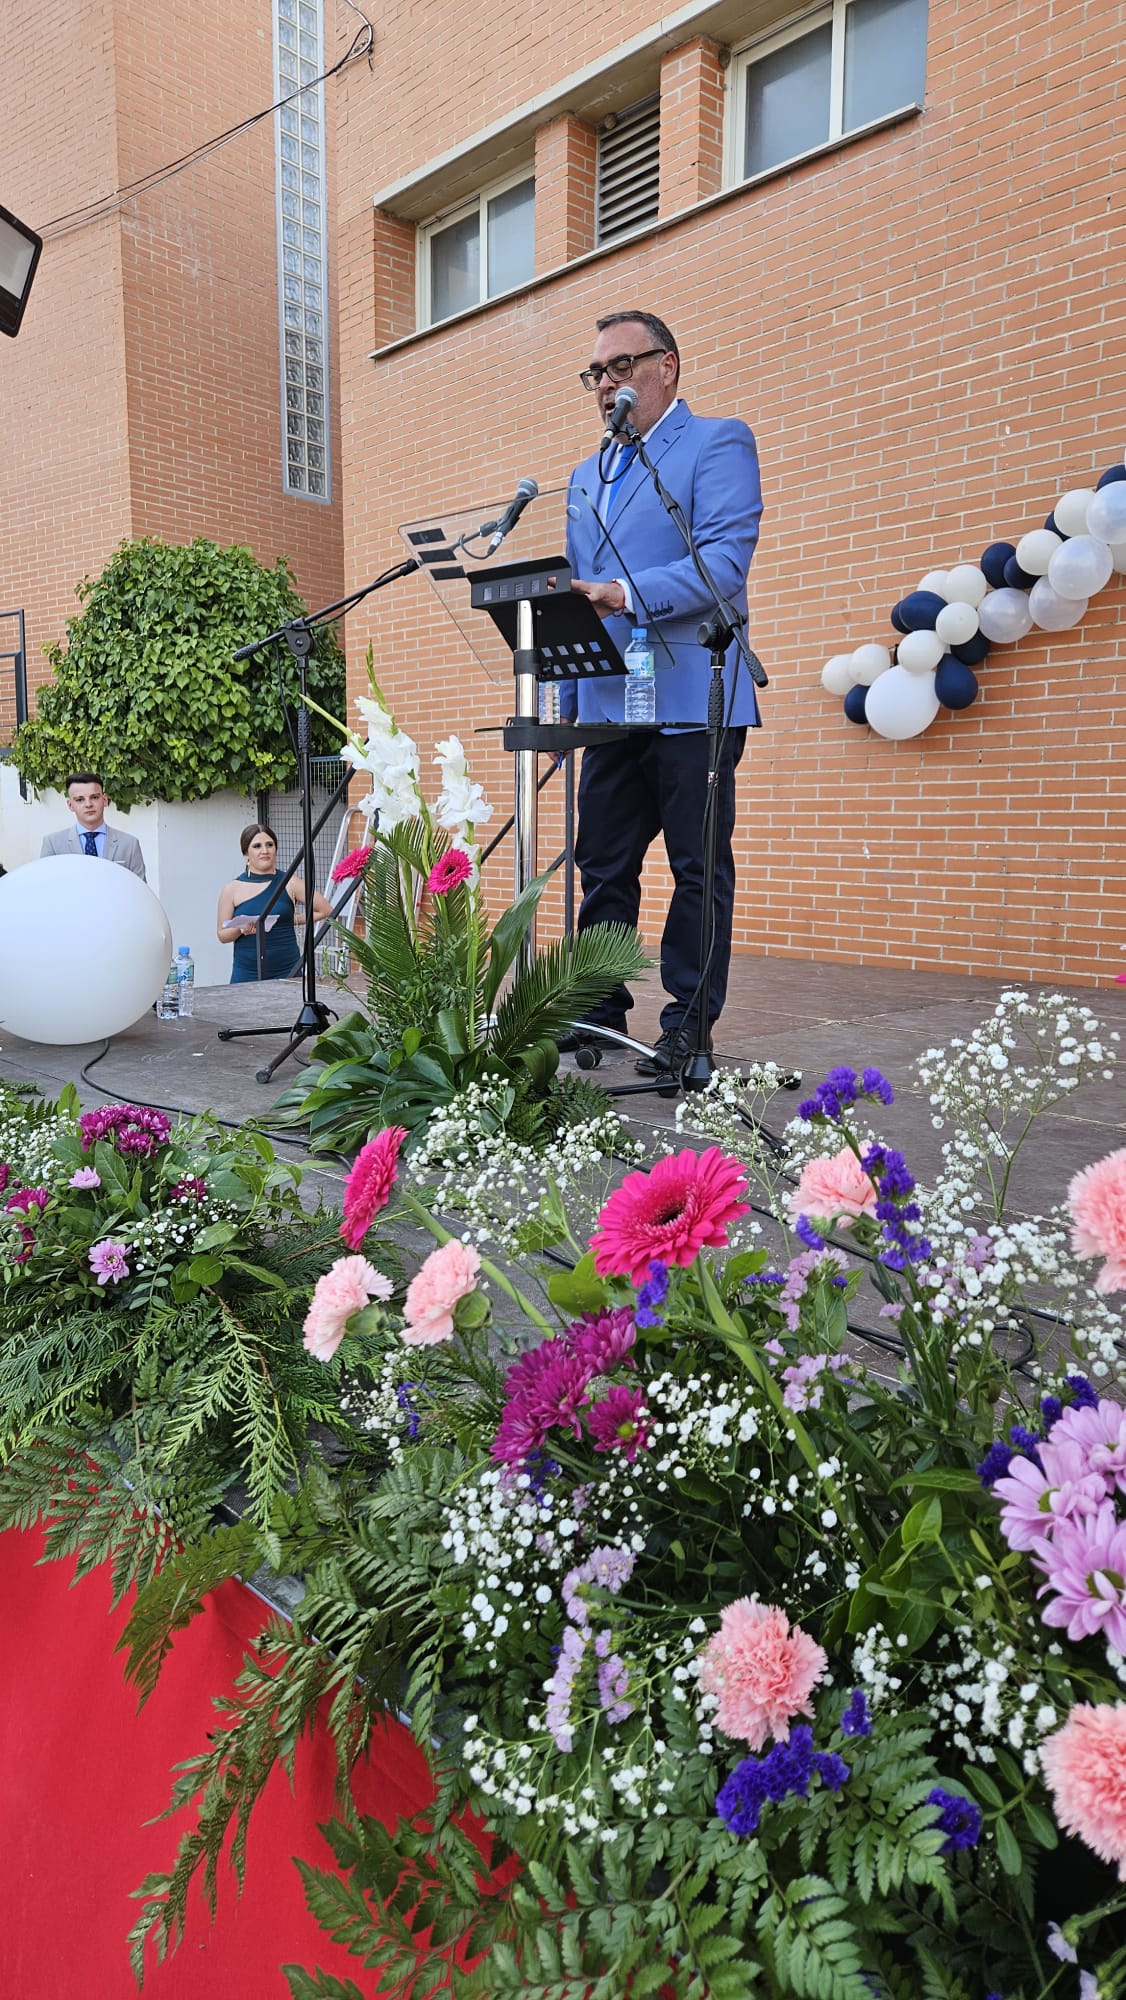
(190, 852)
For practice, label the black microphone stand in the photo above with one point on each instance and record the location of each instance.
(716, 634)
(314, 1016)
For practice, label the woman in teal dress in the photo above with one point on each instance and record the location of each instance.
(243, 902)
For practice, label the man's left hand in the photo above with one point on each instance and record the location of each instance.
(608, 599)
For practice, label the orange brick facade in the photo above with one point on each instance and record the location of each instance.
(922, 325)
(142, 395)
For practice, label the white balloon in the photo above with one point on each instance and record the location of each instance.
(837, 675)
(920, 652)
(1118, 557)
(1052, 612)
(1070, 510)
(84, 949)
(956, 624)
(935, 579)
(1004, 616)
(966, 584)
(1106, 515)
(1080, 567)
(869, 662)
(901, 704)
(1035, 550)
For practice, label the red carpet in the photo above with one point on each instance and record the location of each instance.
(82, 1771)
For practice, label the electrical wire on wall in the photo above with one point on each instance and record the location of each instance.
(360, 46)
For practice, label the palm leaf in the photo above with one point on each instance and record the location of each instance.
(562, 984)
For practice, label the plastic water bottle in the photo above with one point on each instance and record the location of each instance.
(185, 980)
(168, 999)
(641, 688)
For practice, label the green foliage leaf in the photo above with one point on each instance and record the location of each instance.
(148, 693)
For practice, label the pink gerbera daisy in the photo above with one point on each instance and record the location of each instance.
(1085, 1765)
(351, 1285)
(762, 1669)
(368, 1186)
(351, 865)
(670, 1214)
(450, 872)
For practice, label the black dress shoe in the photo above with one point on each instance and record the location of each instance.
(670, 1052)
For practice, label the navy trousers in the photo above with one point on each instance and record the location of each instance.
(629, 792)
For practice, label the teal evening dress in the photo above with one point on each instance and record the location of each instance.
(282, 952)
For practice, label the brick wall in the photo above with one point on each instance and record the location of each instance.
(142, 396)
(923, 328)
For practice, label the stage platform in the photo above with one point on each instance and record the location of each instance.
(806, 1015)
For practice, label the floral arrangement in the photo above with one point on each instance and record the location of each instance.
(450, 1001)
(153, 1281)
(753, 1571)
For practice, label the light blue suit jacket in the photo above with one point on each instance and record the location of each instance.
(120, 846)
(710, 465)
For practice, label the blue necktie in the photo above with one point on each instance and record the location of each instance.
(89, 845)
(625, 460)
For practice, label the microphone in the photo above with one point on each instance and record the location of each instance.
(523, 497)
(625, 404)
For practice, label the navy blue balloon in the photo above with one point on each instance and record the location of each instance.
(1054, 525)
(897, 618)
(1017, 578)
(973, 652)
(1111, 476)
(854, 703)
(920, 609)
(993, 560)
(954, 684)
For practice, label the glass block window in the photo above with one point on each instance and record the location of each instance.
(825, 74)
(302, 249)
(484, 247)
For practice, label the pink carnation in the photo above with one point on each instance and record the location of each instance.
(351, 1284)
(351, 865)
(763, 1670)
(1085, 1766)
(449, 1274)
(450, 872)
(833, 1186)
(1097, 1200)
(669, 1214)
(368, 1186)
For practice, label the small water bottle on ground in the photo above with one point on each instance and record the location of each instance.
(168, 999)
(641, 689)
(185, 981)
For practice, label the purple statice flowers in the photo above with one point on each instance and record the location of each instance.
(587, 1656)
(130, 1128)
(550, 1388)
(786, 1770)
(841, 1089)
(895, 1208)
(958, 1818)
(652, 1294)
(856, 1720)
(1022, 1442)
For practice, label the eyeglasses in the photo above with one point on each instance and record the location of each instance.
(619, 369)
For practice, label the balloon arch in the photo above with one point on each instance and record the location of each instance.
(949, 624)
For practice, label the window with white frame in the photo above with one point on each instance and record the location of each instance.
(830, 71)
(478, 250)
(303, 235)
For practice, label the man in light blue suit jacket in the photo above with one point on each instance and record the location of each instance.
(85, 795)
(630, 560)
